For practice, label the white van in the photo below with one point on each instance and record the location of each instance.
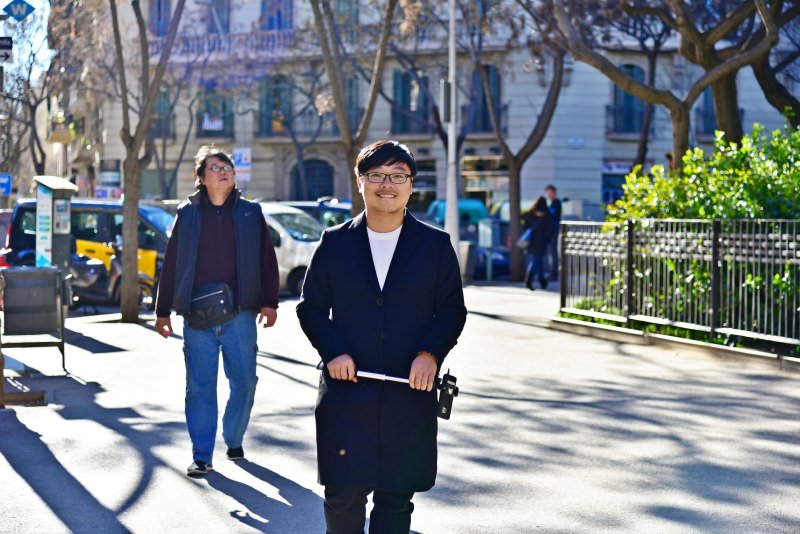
(295, 235)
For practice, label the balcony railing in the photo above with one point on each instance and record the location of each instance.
(264, 42)
(163, 127)
(481, 123)
(304, 125)
(410, 122)
(624, 119)
(212, 125)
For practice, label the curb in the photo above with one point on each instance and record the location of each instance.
(628, 335)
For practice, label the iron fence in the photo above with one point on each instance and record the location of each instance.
(730, 278)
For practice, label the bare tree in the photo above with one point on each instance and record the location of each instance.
(786, 64)
(134, 139)
(579, 15)
(328, 32)
(651, 34)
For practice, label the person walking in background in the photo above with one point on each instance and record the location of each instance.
(383, 294)
(219, 250)
(554, 206)
(540, 223)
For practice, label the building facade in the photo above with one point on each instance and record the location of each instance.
(249, 77)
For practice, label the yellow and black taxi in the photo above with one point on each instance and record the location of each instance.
(96, 226)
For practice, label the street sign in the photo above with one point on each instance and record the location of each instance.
(6, 45)
(5, 184)
(19, 9)
(242, 161)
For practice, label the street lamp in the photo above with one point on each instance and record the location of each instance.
(451, 213)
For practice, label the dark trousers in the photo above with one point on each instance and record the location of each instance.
(346, 510)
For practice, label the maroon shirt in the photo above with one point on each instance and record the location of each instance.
(216, 257)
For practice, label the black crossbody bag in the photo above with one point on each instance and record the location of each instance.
(211, 305)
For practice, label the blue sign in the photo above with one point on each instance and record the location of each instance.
(5, 184)
(19, 9)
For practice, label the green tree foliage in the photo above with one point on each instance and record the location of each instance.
(757, 178)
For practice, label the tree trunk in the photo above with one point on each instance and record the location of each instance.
(726, 107)
(649, 109)
(681, 123)
(129, 305)
(355, 196)
(775, 92)
(514, 221)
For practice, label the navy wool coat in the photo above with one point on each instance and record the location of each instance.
(380, 434)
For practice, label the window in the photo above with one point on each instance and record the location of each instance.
(162, 118)
(276, 14)
(705, 120)
(215, 118)
(276, 105)
(351, 95)
(346, 12)
(219, 16)
(87, 225)
(627, 113)
(160, 17)
(317, 180)
(411, 111)
(481, 122)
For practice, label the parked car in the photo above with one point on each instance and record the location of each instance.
(96, 226)
(295, 235)
(470, 212)
(328, 211)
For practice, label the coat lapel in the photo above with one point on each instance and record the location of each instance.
(362, 255)
(408, 241)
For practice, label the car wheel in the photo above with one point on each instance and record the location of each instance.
(295, 282)
(147, 297)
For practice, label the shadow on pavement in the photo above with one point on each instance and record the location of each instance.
(89, 344)
(303, 513)
(69, 500)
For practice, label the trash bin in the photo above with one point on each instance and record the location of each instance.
(489, 233)
(31, 300)
(467, 257)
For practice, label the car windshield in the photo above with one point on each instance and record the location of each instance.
(300, 226)
(159, 218)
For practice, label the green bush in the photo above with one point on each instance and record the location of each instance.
(757, 178)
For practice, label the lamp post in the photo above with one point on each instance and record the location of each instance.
(451, 213)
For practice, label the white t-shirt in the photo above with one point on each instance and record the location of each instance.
(382, 245)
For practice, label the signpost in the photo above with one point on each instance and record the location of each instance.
(5, 184)
(6, 46)
(19, 9)
(242, 163)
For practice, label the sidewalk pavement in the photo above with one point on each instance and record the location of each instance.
(552, 432)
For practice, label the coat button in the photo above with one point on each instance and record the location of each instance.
(380, 302)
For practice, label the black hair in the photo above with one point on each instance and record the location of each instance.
(205, 152)
(551, 186)
(385, 152)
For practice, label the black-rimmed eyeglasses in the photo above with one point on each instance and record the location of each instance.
(379, 177)
(220, 168)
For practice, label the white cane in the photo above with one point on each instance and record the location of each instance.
(378, 376)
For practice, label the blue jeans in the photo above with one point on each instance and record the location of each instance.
(535, 270)
(237, 339)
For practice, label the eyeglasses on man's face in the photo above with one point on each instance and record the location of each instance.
(379, 177)
(220, 168)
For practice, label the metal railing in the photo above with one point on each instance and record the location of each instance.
(723, 277)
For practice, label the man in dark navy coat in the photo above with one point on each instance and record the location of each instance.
(383, 294)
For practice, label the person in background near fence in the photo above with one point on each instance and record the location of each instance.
(382, 294)
(554, 206)
(220, 249)
(540, 223)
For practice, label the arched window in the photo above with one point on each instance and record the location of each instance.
(628, 111)
(316, 182)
